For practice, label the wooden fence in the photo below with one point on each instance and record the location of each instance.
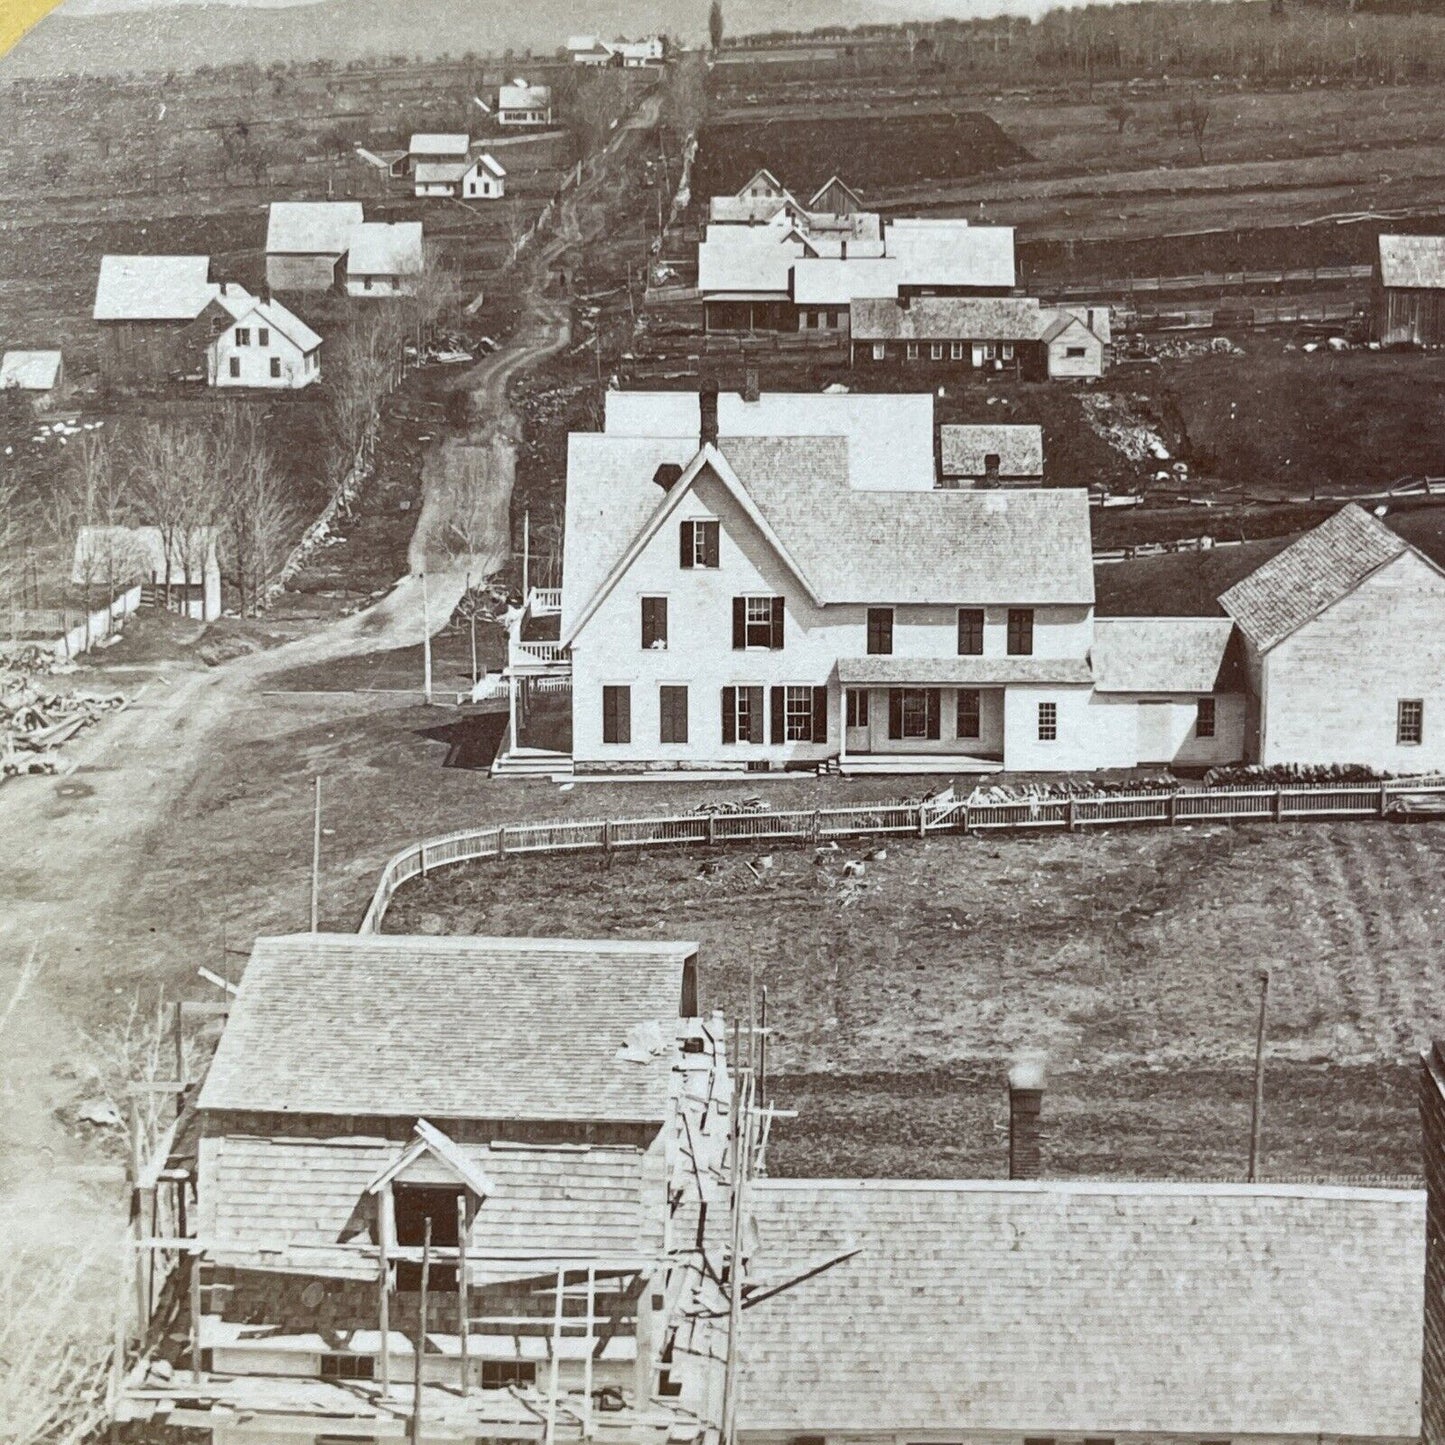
(819, 825)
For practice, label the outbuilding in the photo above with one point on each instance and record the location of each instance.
(385, 259)
(39, 374)
(1410, 291)
(306, 241)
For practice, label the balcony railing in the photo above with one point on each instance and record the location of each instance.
(544, 601)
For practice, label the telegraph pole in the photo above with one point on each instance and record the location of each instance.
(316, 860)
(1256, 1121)
(425, 642)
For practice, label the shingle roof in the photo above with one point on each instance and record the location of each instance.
(1315, 572)
(428, 144)
(963, 671)
(272, 1201)
(1165, 654)
(386, 248)
(1413, 261)
(30, 370)
(728, 265)
(312, 228)
(1071, 1308)
(949, 318)
(459, 1028)
(889, 434)
(153, 288)
(965, 450)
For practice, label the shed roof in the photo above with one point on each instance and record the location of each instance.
(429, 144)
(312, 228)
(1311, 574)
(948, 318)
(1191, 1309)
(153, 288)
(966, 449)
(1165, 654)
(30, 370)
(1413, 262)
(386, 248)
(468, 1028)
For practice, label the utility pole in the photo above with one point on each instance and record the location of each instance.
(472, 618)
(316, 860)
(526, 552)
(425, 642)
(1256, 1120)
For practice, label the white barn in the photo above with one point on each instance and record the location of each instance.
(385, 259)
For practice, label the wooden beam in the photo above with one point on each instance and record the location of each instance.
(463, 1301)
(555, 1381)
(383, 1301)
(193, 1264)
(420, 1349)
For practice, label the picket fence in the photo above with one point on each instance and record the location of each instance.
(1165, 807)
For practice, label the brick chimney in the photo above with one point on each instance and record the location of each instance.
(707, 407)
(843, 249)
(752, 388)
(1025, 1107)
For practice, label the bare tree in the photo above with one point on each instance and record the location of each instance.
(1120, 114)
(362, 370)
(684, 99)
(437, 297)
(599, 104)
(173, 477)
(715, 25)
(1197, 113)
(259, 518)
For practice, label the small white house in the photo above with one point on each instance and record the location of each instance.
(39, 374)
(485, 179)
(1073, 349)
(265, 345)
(521, 104)
(189, 569)
(385, 259)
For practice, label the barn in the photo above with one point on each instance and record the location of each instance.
(155, 316)
(305, 241)
(1410, 291)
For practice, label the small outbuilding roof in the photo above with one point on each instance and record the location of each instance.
(965, 450)
(1413, 262)
(311, 228)
(521, 96)
(1311, 574)
(386, 248)
(449, 1028)
(30, 370)
(436, 146)
(1165, 654)
(1074, 1308)
(491, 163)
(153, 288)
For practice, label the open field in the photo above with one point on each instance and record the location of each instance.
(1129, 957)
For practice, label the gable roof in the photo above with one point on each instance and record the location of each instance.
(282, 319)
(966, 449)
(491, 163)
(828, 185)
(30, 370)
(447, 1028)
(312, 228)
(521, 96)
(1262, 1309)
(1413, 261)
(425, 143)
(386, 248)
(762, 174)
(1311, 574)
(153, 288)
(447, 172)
(1165, 654)
(889, 434)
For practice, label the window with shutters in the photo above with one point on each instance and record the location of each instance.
(742, 715)
(1021, 631)
(1204, 718)
(857, 707)
(758, 622)
(672, 714)
(699, 544)
(970, 631)
(880, 631)
(1410, 722)
(913, 712)
(616, 714)
(969, 712)
(1048, 722)
(798, 714)
(654, 624)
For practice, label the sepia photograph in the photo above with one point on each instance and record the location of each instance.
(722, 723)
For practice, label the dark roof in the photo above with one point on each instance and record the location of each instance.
(449, 1028)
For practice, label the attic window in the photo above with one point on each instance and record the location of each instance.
(415, 1203)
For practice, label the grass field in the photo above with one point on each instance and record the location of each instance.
(1129, 957)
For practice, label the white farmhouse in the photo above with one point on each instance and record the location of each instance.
(485, 179)
(385, 259)
(265, 345)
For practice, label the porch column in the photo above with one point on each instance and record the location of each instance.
(512, 708)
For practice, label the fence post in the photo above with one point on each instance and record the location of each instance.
(501, 842)
(607, 843)
(816, 830)
(1279, 805)
(423, 860)
(1073, 814)
(711, 829)
(1384, 804)
(967, 818)
(922, 821)
(1171, 808)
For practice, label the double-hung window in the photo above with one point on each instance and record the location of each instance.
(1410, 722)
(275, 368)
(742, 715)
(970, 631)
(235, 367)
(616, 714)
(799, 715)
(880, 631)
(698, 543)
(243, 336)
(935, 351)
(654, 624)
(757, 622)
(913, 712)
(969, 712)
(955, 351)
(880, 350)
(1021, 631)
(911, 351)
(263, 336)
(1048, 722)
(1204, 718)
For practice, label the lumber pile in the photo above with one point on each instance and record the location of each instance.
(35, 722)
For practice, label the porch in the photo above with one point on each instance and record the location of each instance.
(538, 681)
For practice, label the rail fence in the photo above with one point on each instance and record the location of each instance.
(1295, 803)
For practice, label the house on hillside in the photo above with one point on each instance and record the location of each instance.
(485, 179)
(385, 259)
(306, 242)
(155, 316)
(438, 163)
(478, 178)
(1344, 644)
(265, 345)
(592, 51)
(183, 574)
(991, 456)
(524, 1123)
(521, 104)
(1409, 303)
(40, 375)
(1067, 1310)
(981, 333)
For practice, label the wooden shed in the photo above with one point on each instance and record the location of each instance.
(1409, 305)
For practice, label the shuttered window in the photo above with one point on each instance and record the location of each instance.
(799, 714)
(970, 631)
(654, 624)
(742, 715)
(757, 622)
(672, 714)
(880, 631)
(969, 712)
(1021, 631)
(698, 544)
(616, 714)
(914, 712)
